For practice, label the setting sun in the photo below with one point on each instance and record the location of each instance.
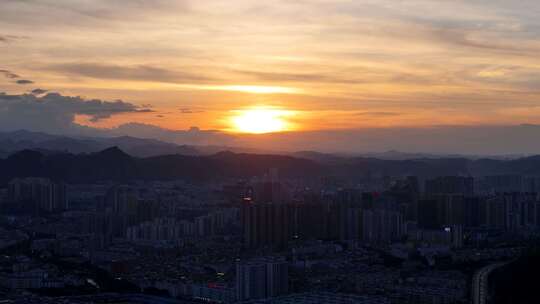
(261, 120)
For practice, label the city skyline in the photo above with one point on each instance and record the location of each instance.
(278, 152)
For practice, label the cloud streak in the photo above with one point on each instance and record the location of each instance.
(378, 114)
(129, 72)
(10, 38)
(190, 111)
(9, 74)
(38, 91)
(24, 81)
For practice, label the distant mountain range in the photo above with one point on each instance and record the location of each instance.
(85, 159)
(113, 164)
(25, 140)
(395, 155)
(11, 142)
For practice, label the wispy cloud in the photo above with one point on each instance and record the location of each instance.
(9, 74)
(24, 81)
(378, 114)
(191, 111)
(299, 77)
(129, 72)
(11, 38)
(38, 91)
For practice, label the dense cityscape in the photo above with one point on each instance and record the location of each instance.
(264, 239)
(269, 152)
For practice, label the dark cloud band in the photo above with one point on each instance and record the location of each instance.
(56, 113)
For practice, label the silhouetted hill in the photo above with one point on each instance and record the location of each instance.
(114, 164)
(398, 155)
(24, 163)
(319, 157)
(139, 147)
(244, 164)
(417, 167)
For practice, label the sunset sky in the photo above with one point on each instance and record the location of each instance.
(318, 64)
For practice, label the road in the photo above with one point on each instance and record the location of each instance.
(480, 283)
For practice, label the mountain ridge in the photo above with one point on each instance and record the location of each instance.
(114, 164)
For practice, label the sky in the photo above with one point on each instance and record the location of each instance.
(317, 66)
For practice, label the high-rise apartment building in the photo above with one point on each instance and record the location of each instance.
(39, 194)
(261, 278)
